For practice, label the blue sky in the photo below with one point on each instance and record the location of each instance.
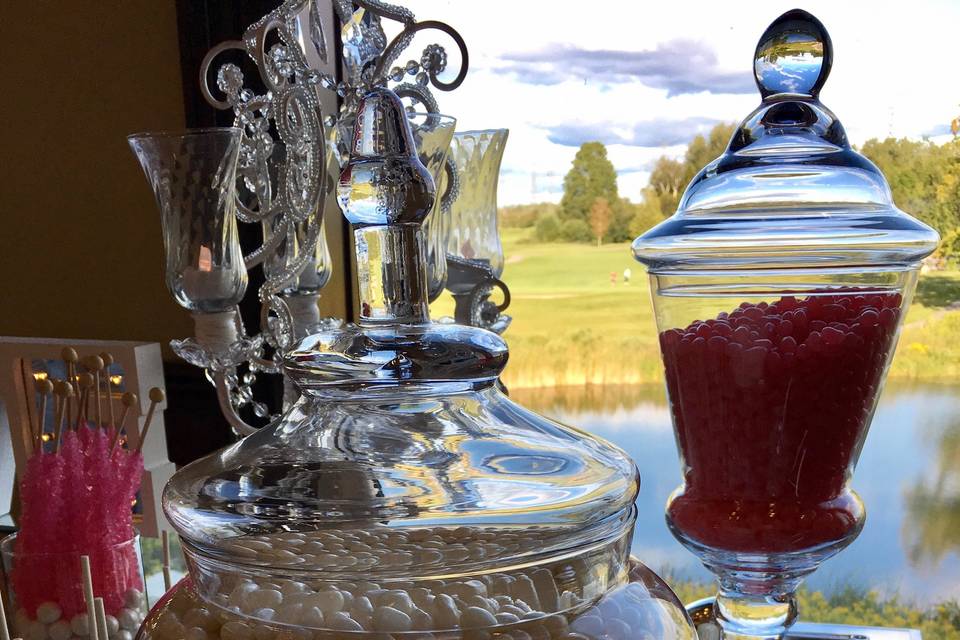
(646, 77)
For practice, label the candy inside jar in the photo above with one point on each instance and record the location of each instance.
(771, 403)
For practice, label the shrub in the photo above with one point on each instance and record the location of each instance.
(547, 229)
(575, 231)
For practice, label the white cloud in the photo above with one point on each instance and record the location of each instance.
(891, 74)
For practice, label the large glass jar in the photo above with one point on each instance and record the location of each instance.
(779, 288)
(404, 495)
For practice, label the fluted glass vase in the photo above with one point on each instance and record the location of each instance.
(193, 177)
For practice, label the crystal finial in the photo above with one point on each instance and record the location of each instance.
(793, 55)
(384, 182)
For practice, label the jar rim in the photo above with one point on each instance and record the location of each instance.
(8, 550)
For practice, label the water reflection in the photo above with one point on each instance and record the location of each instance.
(931, 529)
(909, 477)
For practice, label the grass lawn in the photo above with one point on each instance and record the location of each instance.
(572, 326)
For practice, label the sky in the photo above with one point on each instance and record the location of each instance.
(644, 78)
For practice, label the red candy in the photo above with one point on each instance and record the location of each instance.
(77, 502)
(771, 415)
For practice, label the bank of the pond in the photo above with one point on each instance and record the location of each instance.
(576, 321)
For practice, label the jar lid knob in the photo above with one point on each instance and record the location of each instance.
(793, 56)
(384, 182)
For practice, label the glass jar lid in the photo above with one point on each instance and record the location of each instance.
(789, 191)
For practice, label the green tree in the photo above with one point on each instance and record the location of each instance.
(600, 218)
(590, 177)
(667, 184)
(575, 231)
(647, 214)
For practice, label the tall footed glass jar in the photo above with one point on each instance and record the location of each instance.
(779, 288)
(404, 495)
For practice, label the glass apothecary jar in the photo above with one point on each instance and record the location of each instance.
(779, 288)
(404, 495)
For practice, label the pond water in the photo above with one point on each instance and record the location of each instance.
(908, 476)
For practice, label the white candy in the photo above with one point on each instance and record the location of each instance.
(507, 618)
(60, 630)
(329, 601)
(289, 613)
(313, 617)
(79, 625)
(390, 619)
(474, 617)
(125, 635)
(48, 612)
(201, 617)
(113, 625)
(195, 633)
(546, 589)
(265, 613)
(523, 589)
(361, 605)
(342, 622)
(133, 599)
(445, 614)
(589, 625)
(36, 630)
(128, 619)
(399, 600)
(262, 598)
(21, 620)
(169, 626)
(236, 630)
(420, 619)
(240, 593)
(292, 586)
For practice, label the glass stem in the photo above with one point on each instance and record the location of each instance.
(755, 617)
(392, 280)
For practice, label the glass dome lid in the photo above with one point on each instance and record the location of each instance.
(789, 191)
(403, 447)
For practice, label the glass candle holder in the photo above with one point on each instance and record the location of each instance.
(46, 589)
(474, 238)
(432, 133)
(193, 177)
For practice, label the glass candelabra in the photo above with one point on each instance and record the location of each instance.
(274, 169)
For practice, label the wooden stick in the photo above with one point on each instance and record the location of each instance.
(85, 380)
(44, 388)
(66, 390)
(107, 362)
(95, 364)
(4, 630)
(167, 582)
(156, 397)
(88, 597)
(70, 357)
(129, 399)
(101, 618)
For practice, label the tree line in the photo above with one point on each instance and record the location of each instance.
(924, 178)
